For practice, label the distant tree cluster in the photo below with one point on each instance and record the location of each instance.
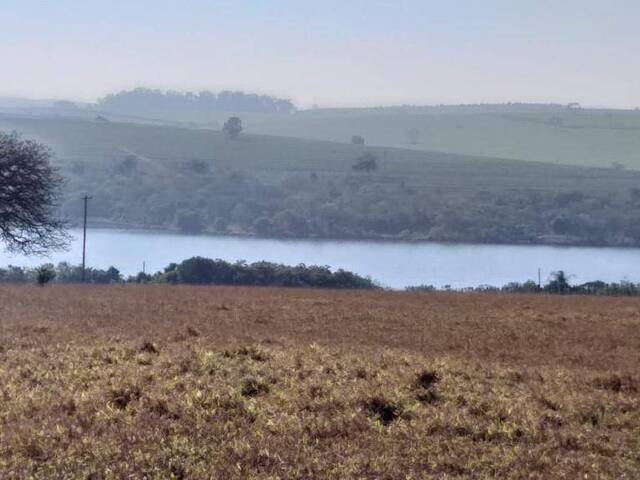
(558, 284)
(197, 270)
(144, 99)
(62, 273)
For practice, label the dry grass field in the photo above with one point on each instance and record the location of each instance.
(222, 383)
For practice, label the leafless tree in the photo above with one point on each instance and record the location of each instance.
(29, 189)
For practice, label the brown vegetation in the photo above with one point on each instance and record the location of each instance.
(203, 382)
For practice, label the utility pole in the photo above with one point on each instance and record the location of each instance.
(86, 199)
(539, 280)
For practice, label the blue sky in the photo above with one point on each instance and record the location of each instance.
(328, 52)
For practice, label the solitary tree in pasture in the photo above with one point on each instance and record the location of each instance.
(232, 127)
(574, 107)
(29, 188)
(366, 163)
(357, 140)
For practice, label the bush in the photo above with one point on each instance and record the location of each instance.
(199, 270)
(559, 283)
(366, 163)
(384, 410)
(252, 387)
(44, 274)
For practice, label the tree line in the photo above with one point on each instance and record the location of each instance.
(558, 284)
(206, 271)
(142, 99)
(197, 271)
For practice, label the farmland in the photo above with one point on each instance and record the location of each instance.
(195, 180)
(590, 138)
(228, 382)
(542, 133)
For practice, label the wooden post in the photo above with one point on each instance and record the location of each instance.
(86, 199)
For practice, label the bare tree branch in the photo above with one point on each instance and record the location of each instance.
(29, 192)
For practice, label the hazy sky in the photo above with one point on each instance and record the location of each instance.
(330, 52)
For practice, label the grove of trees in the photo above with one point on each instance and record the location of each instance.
(199, 271)
(145, 99)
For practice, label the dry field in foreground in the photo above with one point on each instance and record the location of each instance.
(212, 382)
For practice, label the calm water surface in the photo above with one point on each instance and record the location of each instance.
(394, 265)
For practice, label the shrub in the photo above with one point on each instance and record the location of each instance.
(426, 379)
(366, 163)
(44, 274)
(252, 387)
(382, 409)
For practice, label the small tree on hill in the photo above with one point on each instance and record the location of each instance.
(232, 127)
(357, 140)
(366, 163)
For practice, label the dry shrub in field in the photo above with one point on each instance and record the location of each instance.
(252, 387)
(384, 410)
(426, 379)
(617, 383)
(122, 397)
(149, 347)
(425, 385)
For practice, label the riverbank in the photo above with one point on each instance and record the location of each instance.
(542, 240)
(392, 264)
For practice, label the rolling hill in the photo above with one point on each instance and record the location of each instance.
(199, 180)
(545, 133)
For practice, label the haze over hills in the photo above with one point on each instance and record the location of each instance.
(198, 180)
(550, 133)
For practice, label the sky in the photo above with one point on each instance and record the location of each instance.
(329, 52)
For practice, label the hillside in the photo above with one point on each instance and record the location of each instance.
(236, 383)
(199, 180)
(592, 138)
(544, 133)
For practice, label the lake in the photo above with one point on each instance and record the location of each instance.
(392, 264)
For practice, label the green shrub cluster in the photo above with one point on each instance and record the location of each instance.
(199, 271)
(205, 271)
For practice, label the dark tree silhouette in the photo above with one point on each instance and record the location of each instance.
(559, 283)
(29, 188)
(145, 99)
(366, 163)
(233, 127)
